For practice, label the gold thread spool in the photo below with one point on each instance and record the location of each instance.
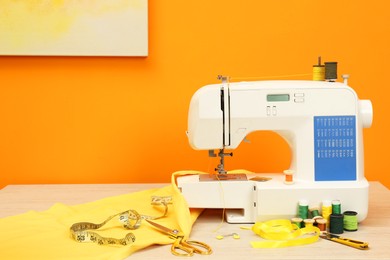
(326, 209)
(308, 222)
(319, 71)
(288, 176)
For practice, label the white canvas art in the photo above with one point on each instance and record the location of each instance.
(74, 27)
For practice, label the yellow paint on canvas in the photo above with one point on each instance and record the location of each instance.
(23, 23)
(29, 25)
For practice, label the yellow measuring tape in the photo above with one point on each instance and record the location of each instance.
(130, 220)
(282, 233)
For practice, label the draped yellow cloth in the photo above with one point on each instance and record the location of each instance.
(46, 235)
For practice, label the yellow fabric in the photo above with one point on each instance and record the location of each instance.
(46, 235)
(281, 233)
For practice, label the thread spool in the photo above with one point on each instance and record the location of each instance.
(350, 221)
(326, 209)
(297, 221)
(309, 222)
(315, 213)
(321, 224)
(336, 207)
(336, 223)
(303, 209)
(288, 176)
(331, 71)
(319, 71)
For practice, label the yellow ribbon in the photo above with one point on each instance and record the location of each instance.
(282, 233)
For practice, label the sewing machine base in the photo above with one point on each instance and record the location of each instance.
(250, 201)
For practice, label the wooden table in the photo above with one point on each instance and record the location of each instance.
(16, 199)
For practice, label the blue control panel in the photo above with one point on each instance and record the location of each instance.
(335, 148)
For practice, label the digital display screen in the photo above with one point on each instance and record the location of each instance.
(278, 97)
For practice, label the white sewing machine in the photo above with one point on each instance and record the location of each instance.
(321, 121)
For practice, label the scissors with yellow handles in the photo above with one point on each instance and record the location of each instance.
(345, 241)
(180, 246)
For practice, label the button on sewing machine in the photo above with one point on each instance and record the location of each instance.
(271, 111)
(299, 97)
(274, 111)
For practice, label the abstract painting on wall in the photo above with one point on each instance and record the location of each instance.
(74, 27)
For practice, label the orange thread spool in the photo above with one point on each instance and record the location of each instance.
(321, 224)
(288, 176)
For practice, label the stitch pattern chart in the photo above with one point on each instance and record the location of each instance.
(335, 148)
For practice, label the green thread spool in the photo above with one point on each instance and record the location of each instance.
(303, 209)
(336, 207)
(350, 221)
(336, 224)
(315, 213)
(297, 221)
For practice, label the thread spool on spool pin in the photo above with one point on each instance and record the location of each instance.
(319, 71)
(331, 71)
(289, 177)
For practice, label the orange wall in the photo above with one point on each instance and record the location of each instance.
(109, 120)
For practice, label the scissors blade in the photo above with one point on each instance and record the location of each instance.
(172, 232)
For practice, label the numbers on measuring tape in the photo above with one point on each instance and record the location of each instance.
(130, 219)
